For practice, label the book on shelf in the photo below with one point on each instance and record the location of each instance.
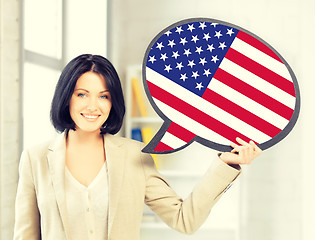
(144, 134)
(147, 134)
(136, 134)
(139, 103)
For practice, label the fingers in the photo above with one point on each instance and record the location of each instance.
(249, 146)
(241, 141)
(257, 150)
(244, 153)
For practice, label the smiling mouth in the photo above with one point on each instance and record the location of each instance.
(90, 117)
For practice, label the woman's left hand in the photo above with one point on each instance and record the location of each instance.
(241, 154)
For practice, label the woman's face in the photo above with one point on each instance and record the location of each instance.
(90, 103)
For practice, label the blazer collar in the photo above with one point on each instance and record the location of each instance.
(56, 161)
(115, 158)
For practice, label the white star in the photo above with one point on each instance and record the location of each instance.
(171, 43)
(230, 32)
(222, 45)
(179, 29)
(183, 77)
(210, 47)
(207, 72)
(195, 74)
(218, 34)
(199, 50)
(202, 25)
(190, 27)
(163, 57)
(206, 36)
(194, 38)
(214, 59)
(160, 45)
(187, 52)
(191, 63)
(168, 68)
(168, 33)
(175, 55)
(179, 65)
(152, 59)
(214, 24)
(203, 61)
(183, 41)
(199, 86)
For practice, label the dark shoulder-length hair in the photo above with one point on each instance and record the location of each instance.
(60, 114)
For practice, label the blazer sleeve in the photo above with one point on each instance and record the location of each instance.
(187, 215)
(27, 217)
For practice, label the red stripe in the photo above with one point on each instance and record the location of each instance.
(254, 94)
(180, 132)
(257, 44)
(261, 71)
(241, 113)
(195, 114)
(162, 147)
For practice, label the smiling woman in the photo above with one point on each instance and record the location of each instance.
(90, 103)
(88, 184)
(93, 81)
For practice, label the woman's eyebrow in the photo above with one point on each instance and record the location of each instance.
(81, 89)
(104, 91)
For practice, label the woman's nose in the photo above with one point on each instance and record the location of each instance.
(92, 105)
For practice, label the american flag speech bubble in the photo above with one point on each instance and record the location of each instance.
(211, 81)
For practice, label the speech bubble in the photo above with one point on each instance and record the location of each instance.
(212, 81)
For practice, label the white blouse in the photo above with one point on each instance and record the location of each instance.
(87, 207)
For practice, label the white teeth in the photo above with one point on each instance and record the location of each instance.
(90, 116)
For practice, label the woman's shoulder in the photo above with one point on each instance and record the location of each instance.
(129, 148)
(132, 147)
(119, 140)
(37, 148)
(41, 149)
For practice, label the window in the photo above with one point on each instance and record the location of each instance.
(54, 32)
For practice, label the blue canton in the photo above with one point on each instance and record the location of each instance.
(190, 54)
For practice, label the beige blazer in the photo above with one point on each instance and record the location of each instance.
(133, 180)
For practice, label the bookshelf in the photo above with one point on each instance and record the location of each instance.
(134, 118)
(224, 221)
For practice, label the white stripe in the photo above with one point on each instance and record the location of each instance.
(190, 124)
(172, 141)
(258, 83)
(248, 104)
(261, 58)
(204, 106)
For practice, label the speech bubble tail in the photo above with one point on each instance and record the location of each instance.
(170, 138)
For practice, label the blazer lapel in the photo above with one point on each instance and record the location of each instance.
(115, 157)
(56, 163)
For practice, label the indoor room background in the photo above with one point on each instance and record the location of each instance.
(273, 199)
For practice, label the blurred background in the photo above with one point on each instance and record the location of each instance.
(275, 196)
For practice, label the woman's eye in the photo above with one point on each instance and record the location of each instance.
(104, 97)
(81, 95)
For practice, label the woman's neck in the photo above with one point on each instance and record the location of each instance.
(84, 138)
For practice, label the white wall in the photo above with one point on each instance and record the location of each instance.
(9, 113)
(85, 28)
(278, 200)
